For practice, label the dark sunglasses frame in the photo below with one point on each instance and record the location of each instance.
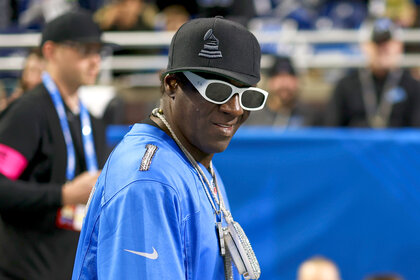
(84, 49)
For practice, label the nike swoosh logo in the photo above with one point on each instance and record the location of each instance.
(152, 256)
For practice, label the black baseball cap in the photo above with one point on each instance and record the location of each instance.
(282, 64)
(383, 30)
(75, 26)
(217, 46)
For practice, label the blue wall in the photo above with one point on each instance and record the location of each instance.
(350, 195)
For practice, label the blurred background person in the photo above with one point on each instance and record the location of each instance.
(31, 74)
(402, 12)
(171, 18)
(47, 165)
(126, 15)
(318, 268)
(240, 11)
(33, 14)
(283, 108)
(381, 95)
(383, 276)
(3, 98)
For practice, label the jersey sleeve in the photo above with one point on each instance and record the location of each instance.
(139, 236)
(20, 135)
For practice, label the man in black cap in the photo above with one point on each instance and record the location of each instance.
(160, 209)
(51, 150)
(283, 108)
(383, 94)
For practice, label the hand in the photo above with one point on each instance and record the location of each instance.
(78, 190)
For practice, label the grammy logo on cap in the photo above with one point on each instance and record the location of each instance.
(211, 46)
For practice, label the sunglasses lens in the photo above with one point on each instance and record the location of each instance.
(252, 99)
(218, 92)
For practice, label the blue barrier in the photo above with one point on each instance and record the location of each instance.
(350, 195)
(114, 134)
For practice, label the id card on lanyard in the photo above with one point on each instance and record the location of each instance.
(378, 112)
(71, 216)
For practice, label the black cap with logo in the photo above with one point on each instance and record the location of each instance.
(216, 45)
(75, 26)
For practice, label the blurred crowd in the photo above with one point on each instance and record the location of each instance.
(22, 15)
(294, 100)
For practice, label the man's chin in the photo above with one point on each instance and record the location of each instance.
(219, 146)
(89, 82)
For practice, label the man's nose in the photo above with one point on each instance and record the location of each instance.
(94, 58)
(232, 106)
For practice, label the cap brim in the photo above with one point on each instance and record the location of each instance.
(110, 45)
(88, 40)
(381, 40)
(239, 77)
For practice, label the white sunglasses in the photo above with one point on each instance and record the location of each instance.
(219, 92)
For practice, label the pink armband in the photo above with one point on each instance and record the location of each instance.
(12, 163)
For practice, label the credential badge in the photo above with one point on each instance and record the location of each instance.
(211, 46)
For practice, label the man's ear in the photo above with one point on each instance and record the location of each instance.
(171, 85)
(48, 49)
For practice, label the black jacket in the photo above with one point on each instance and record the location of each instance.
(347, 108)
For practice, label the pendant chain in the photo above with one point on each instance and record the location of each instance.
(223, 212)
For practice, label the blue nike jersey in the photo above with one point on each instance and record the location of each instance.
(149, 217)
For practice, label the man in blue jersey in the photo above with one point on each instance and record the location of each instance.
(160, 210)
